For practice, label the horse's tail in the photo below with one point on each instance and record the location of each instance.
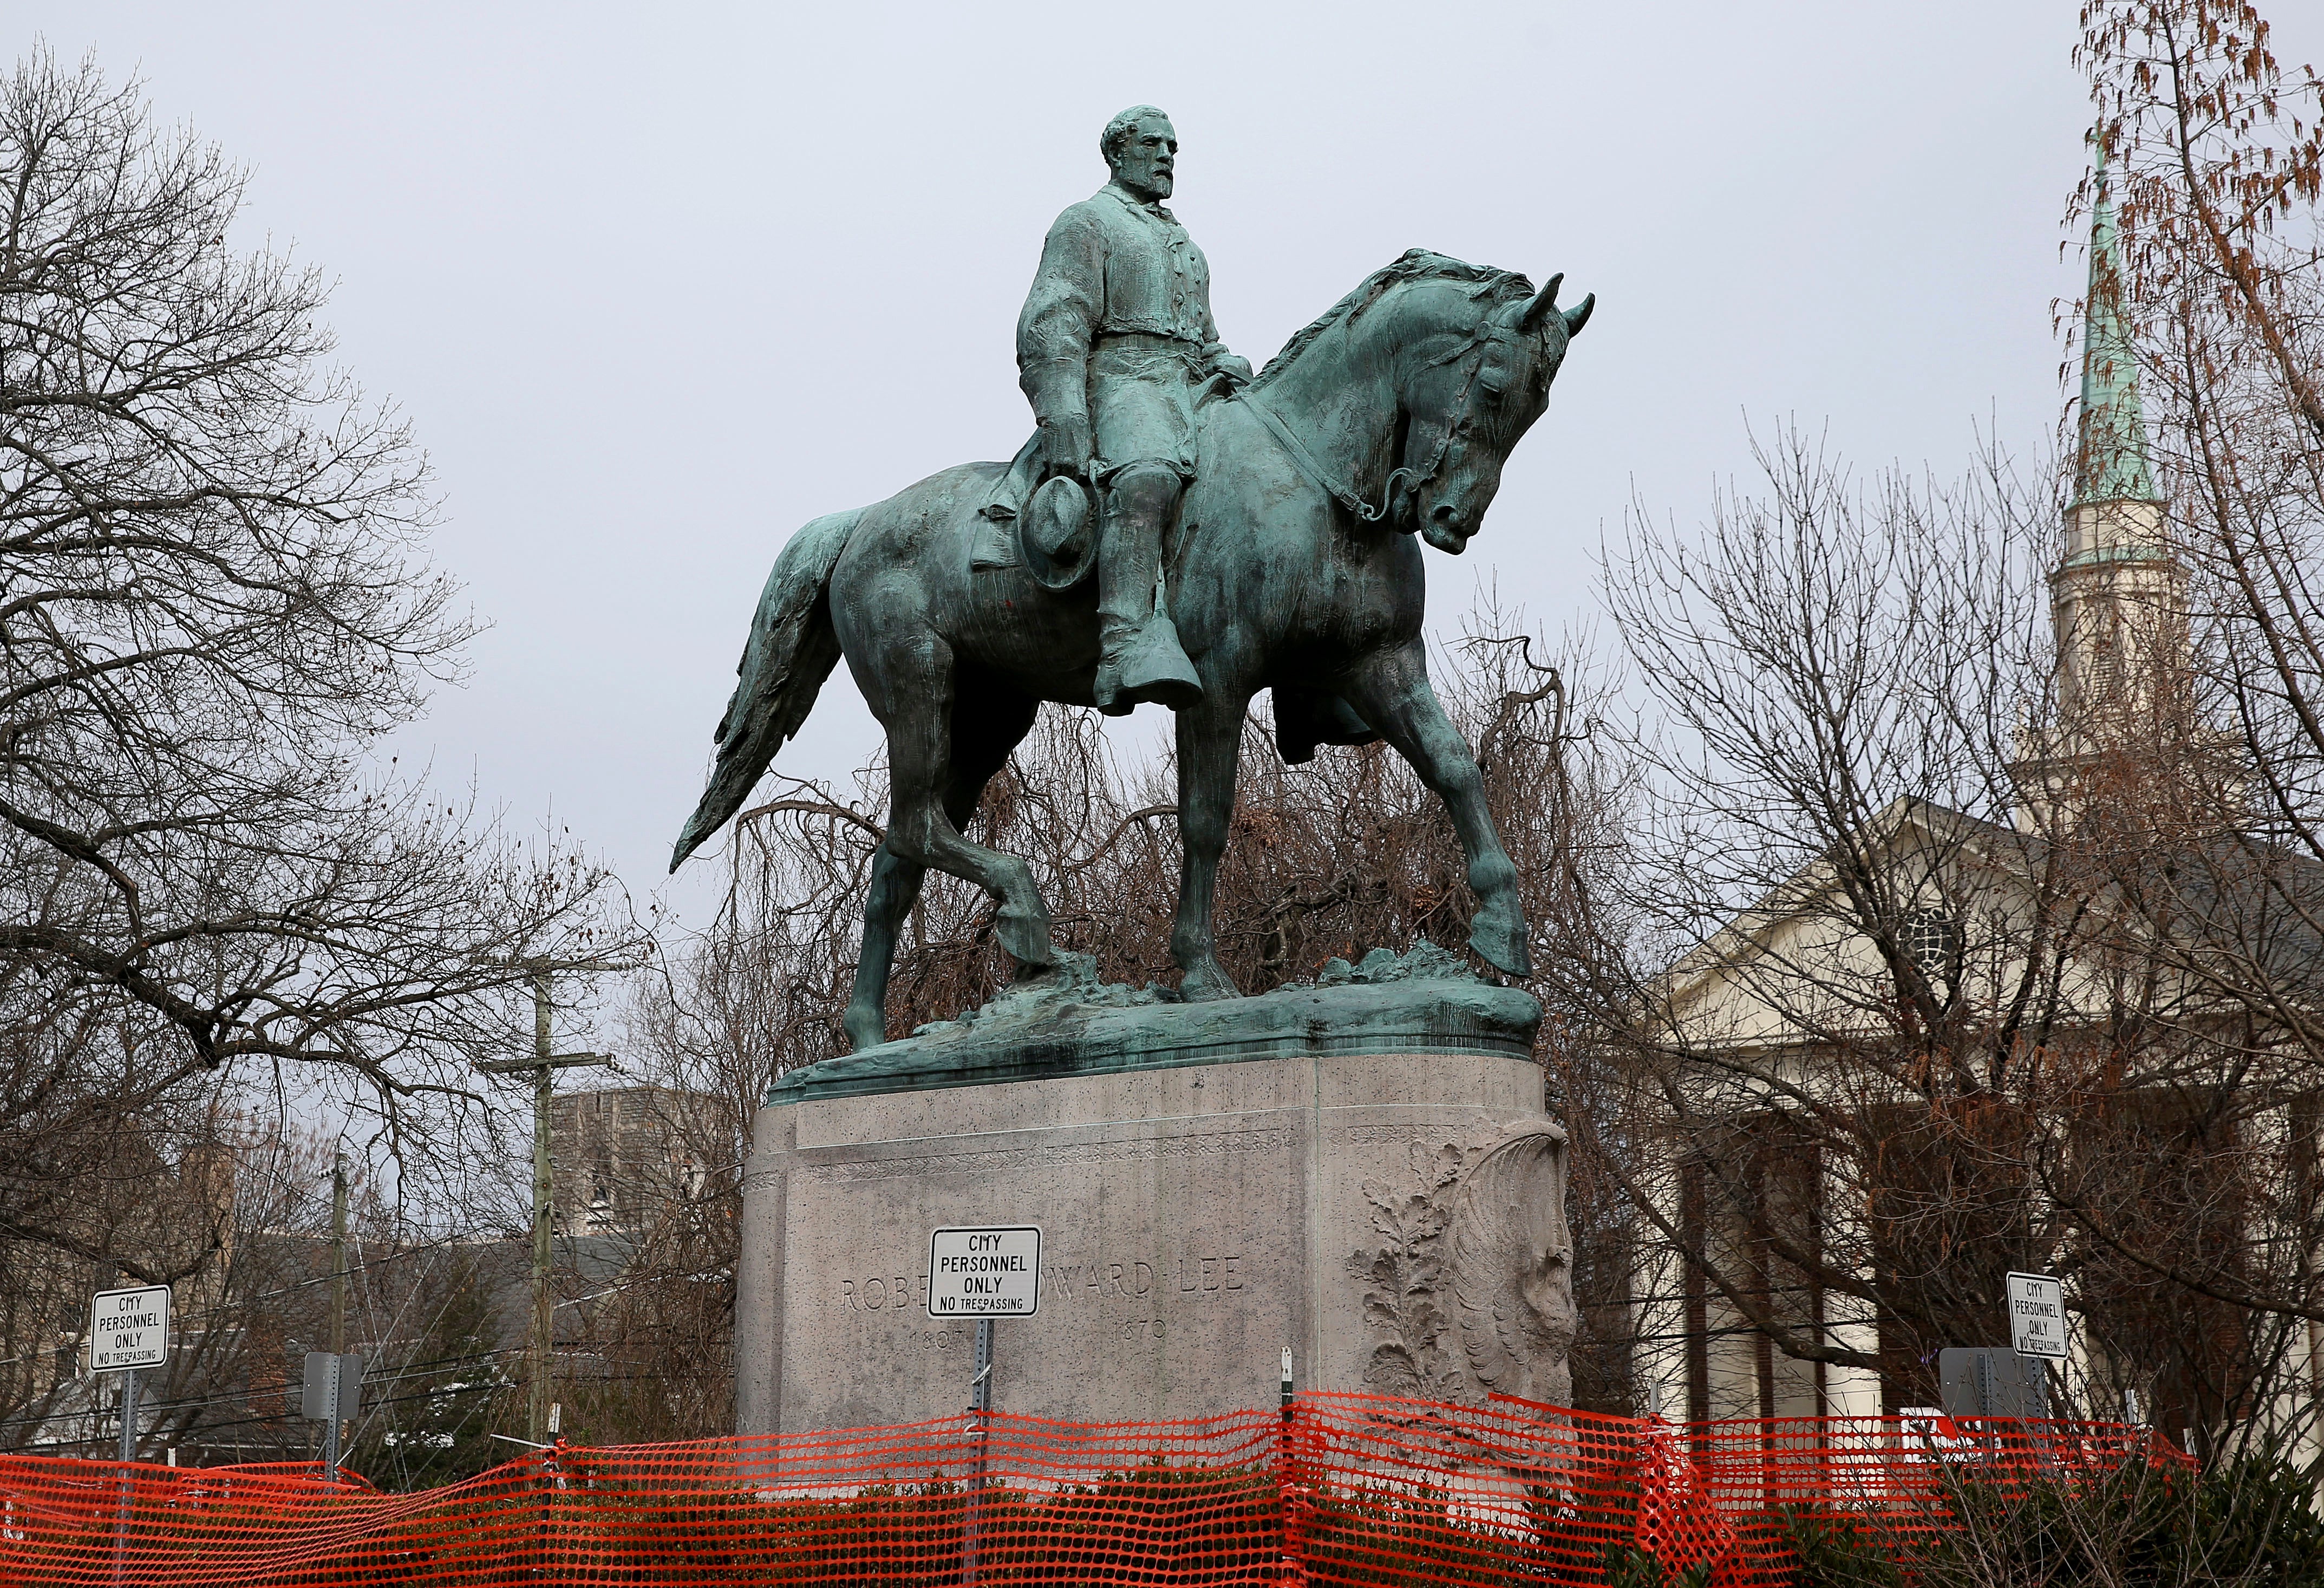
(791, 651)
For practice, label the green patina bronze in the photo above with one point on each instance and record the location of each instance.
(2111, 448)
(1258, 534)
(1069, 1023)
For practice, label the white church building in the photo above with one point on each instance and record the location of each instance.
(1752, 1213)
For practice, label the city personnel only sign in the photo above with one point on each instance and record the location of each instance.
(129, 1329)
(2037, 1316)
(987, 1273)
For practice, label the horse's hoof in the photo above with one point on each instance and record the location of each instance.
(1499, 939)
(1207, 983)
(1027, 940)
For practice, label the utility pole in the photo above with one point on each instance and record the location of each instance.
(338, 1252)
(332, 1432)
(542, 1065)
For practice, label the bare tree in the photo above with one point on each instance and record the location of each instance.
(1972, 937)
(1920, 998)
(214, 607)
(1837, 672)
(2217, 157)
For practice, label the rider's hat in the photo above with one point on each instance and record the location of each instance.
(1057, 532)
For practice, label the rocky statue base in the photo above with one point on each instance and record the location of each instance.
(1360, 1170)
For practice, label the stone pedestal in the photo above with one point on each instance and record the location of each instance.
(1390, 1206)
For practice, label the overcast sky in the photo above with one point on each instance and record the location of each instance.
(658, 284)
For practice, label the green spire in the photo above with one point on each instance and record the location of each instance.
(2111, 461)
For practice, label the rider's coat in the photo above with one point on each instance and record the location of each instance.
(1118, 329)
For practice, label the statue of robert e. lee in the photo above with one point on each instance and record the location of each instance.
(960, 602)
(1115, 347)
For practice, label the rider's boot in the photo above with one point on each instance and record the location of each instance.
(1140, 658)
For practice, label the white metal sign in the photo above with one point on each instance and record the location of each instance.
(985, 1273)
(129, 1329)
(2037, 1316)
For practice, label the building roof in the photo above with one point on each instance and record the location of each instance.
(2239, 920)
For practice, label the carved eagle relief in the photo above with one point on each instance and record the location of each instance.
(1474, 1280)
(1511, 1267)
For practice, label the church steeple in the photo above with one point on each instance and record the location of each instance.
(2110, 454)
(2117, 596)
(2116, 515)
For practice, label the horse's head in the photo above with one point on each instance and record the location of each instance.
(1469, 389)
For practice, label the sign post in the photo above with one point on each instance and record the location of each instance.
(128, 1329)
(330, 1394)
(983, 1273)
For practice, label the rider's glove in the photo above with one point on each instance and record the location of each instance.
(1066, 446)
(1232, 366)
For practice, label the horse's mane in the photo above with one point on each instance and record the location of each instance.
(1417, 264)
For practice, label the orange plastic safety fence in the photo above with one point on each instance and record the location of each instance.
(1342, 1489)
(1894, 1477)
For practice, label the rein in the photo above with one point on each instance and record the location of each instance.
(1345, 495)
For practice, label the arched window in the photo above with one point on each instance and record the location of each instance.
(1932, 938)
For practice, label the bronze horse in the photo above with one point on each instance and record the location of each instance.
(1293, 567)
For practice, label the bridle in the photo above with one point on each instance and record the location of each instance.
(1491, 331)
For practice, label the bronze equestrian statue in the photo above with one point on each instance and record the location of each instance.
(1248, 535)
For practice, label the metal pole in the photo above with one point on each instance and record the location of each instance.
(128, 1454)
(331, 1424)
(1285, 1472)
(544, 1317)
(980, 1407)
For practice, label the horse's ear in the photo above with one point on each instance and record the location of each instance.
(1529, 317)
(1579, 315)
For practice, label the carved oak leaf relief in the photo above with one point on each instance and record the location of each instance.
(1403, 1279)
(1472, 1278)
